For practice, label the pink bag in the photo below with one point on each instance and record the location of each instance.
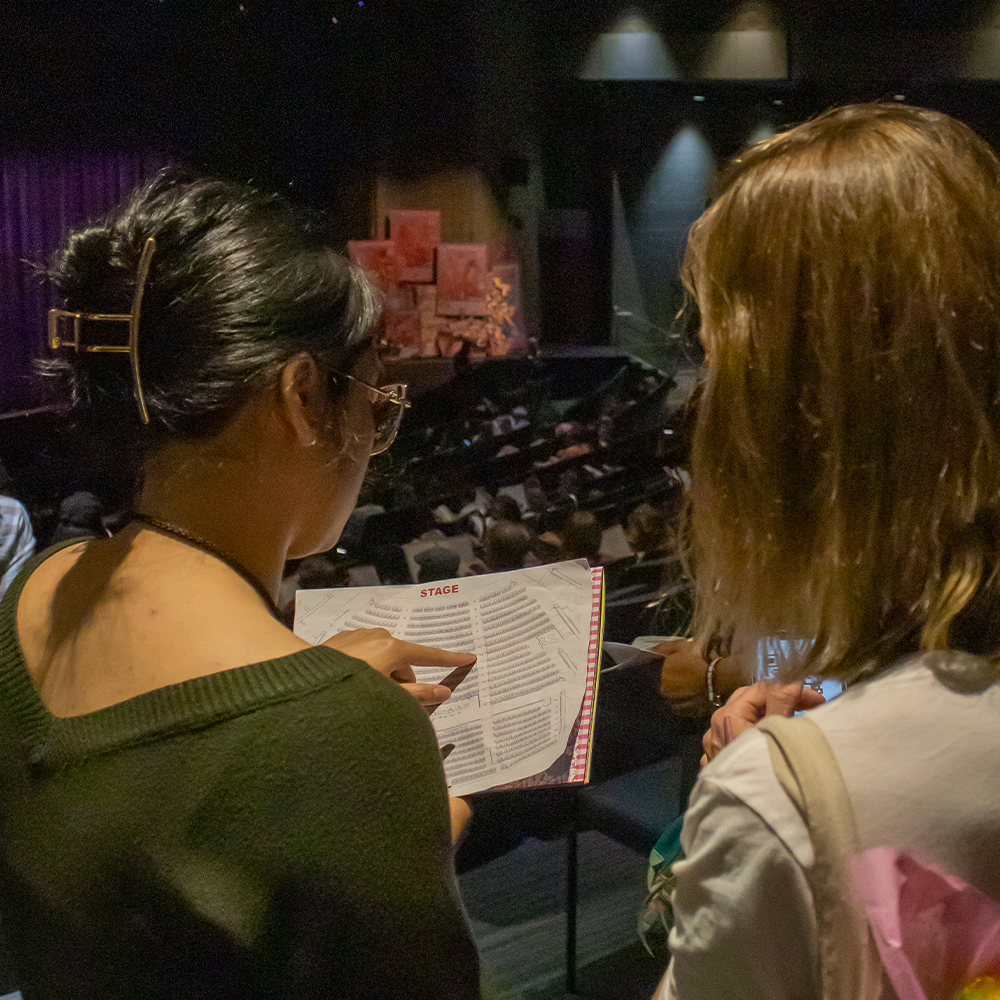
(891, 926)
(935, 933)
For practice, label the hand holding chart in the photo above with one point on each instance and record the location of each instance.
(528, 702)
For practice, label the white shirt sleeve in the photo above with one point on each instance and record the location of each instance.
(19, 543)
(744, 920)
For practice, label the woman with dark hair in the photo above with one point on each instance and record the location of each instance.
(195, 801)
(845, 491)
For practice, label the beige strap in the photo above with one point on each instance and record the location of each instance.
(804, 764)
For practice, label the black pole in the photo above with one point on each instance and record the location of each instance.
(571, 876)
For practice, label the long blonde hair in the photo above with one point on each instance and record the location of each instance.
(845, 466)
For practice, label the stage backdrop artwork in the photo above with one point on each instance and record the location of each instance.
(441, 297)
(416, 232)
(382, 259)
(462, 284)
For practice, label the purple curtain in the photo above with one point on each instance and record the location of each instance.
(44, 197)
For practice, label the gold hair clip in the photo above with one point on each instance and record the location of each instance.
(56, 316)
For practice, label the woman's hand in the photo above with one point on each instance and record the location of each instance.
(461, 813)
(748, 705)
(682, 678)
(396, 658)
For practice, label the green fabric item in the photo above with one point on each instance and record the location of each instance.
(657, 915)
(279, 830)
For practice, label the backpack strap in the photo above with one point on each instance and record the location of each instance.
(807, 770)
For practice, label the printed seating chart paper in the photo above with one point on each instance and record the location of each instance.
(523, 716)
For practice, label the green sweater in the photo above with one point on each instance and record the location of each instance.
(276, 831)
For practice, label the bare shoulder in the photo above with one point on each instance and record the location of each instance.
(42, 592)
(99, 623)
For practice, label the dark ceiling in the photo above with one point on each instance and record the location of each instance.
(318, 92)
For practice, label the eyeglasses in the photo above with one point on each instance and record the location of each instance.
(388, 404)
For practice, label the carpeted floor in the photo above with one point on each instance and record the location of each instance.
(517, 907)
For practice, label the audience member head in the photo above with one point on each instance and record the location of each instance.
(581, 536)
(436, 563)
(504, 508)
(79, 514)
(320, 573)
(505, 545)
(646, 529)
(846, 467)
(240, 283)
(548, 547)
(534, 494)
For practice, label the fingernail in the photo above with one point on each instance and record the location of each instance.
(441, 692)
(727, 730)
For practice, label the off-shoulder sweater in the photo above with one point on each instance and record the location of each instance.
(279, 830)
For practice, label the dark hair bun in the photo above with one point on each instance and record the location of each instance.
(87, 269)
(240, 281)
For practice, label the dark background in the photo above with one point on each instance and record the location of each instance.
(320, 97)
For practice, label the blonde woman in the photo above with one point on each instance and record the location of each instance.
(845, 490)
